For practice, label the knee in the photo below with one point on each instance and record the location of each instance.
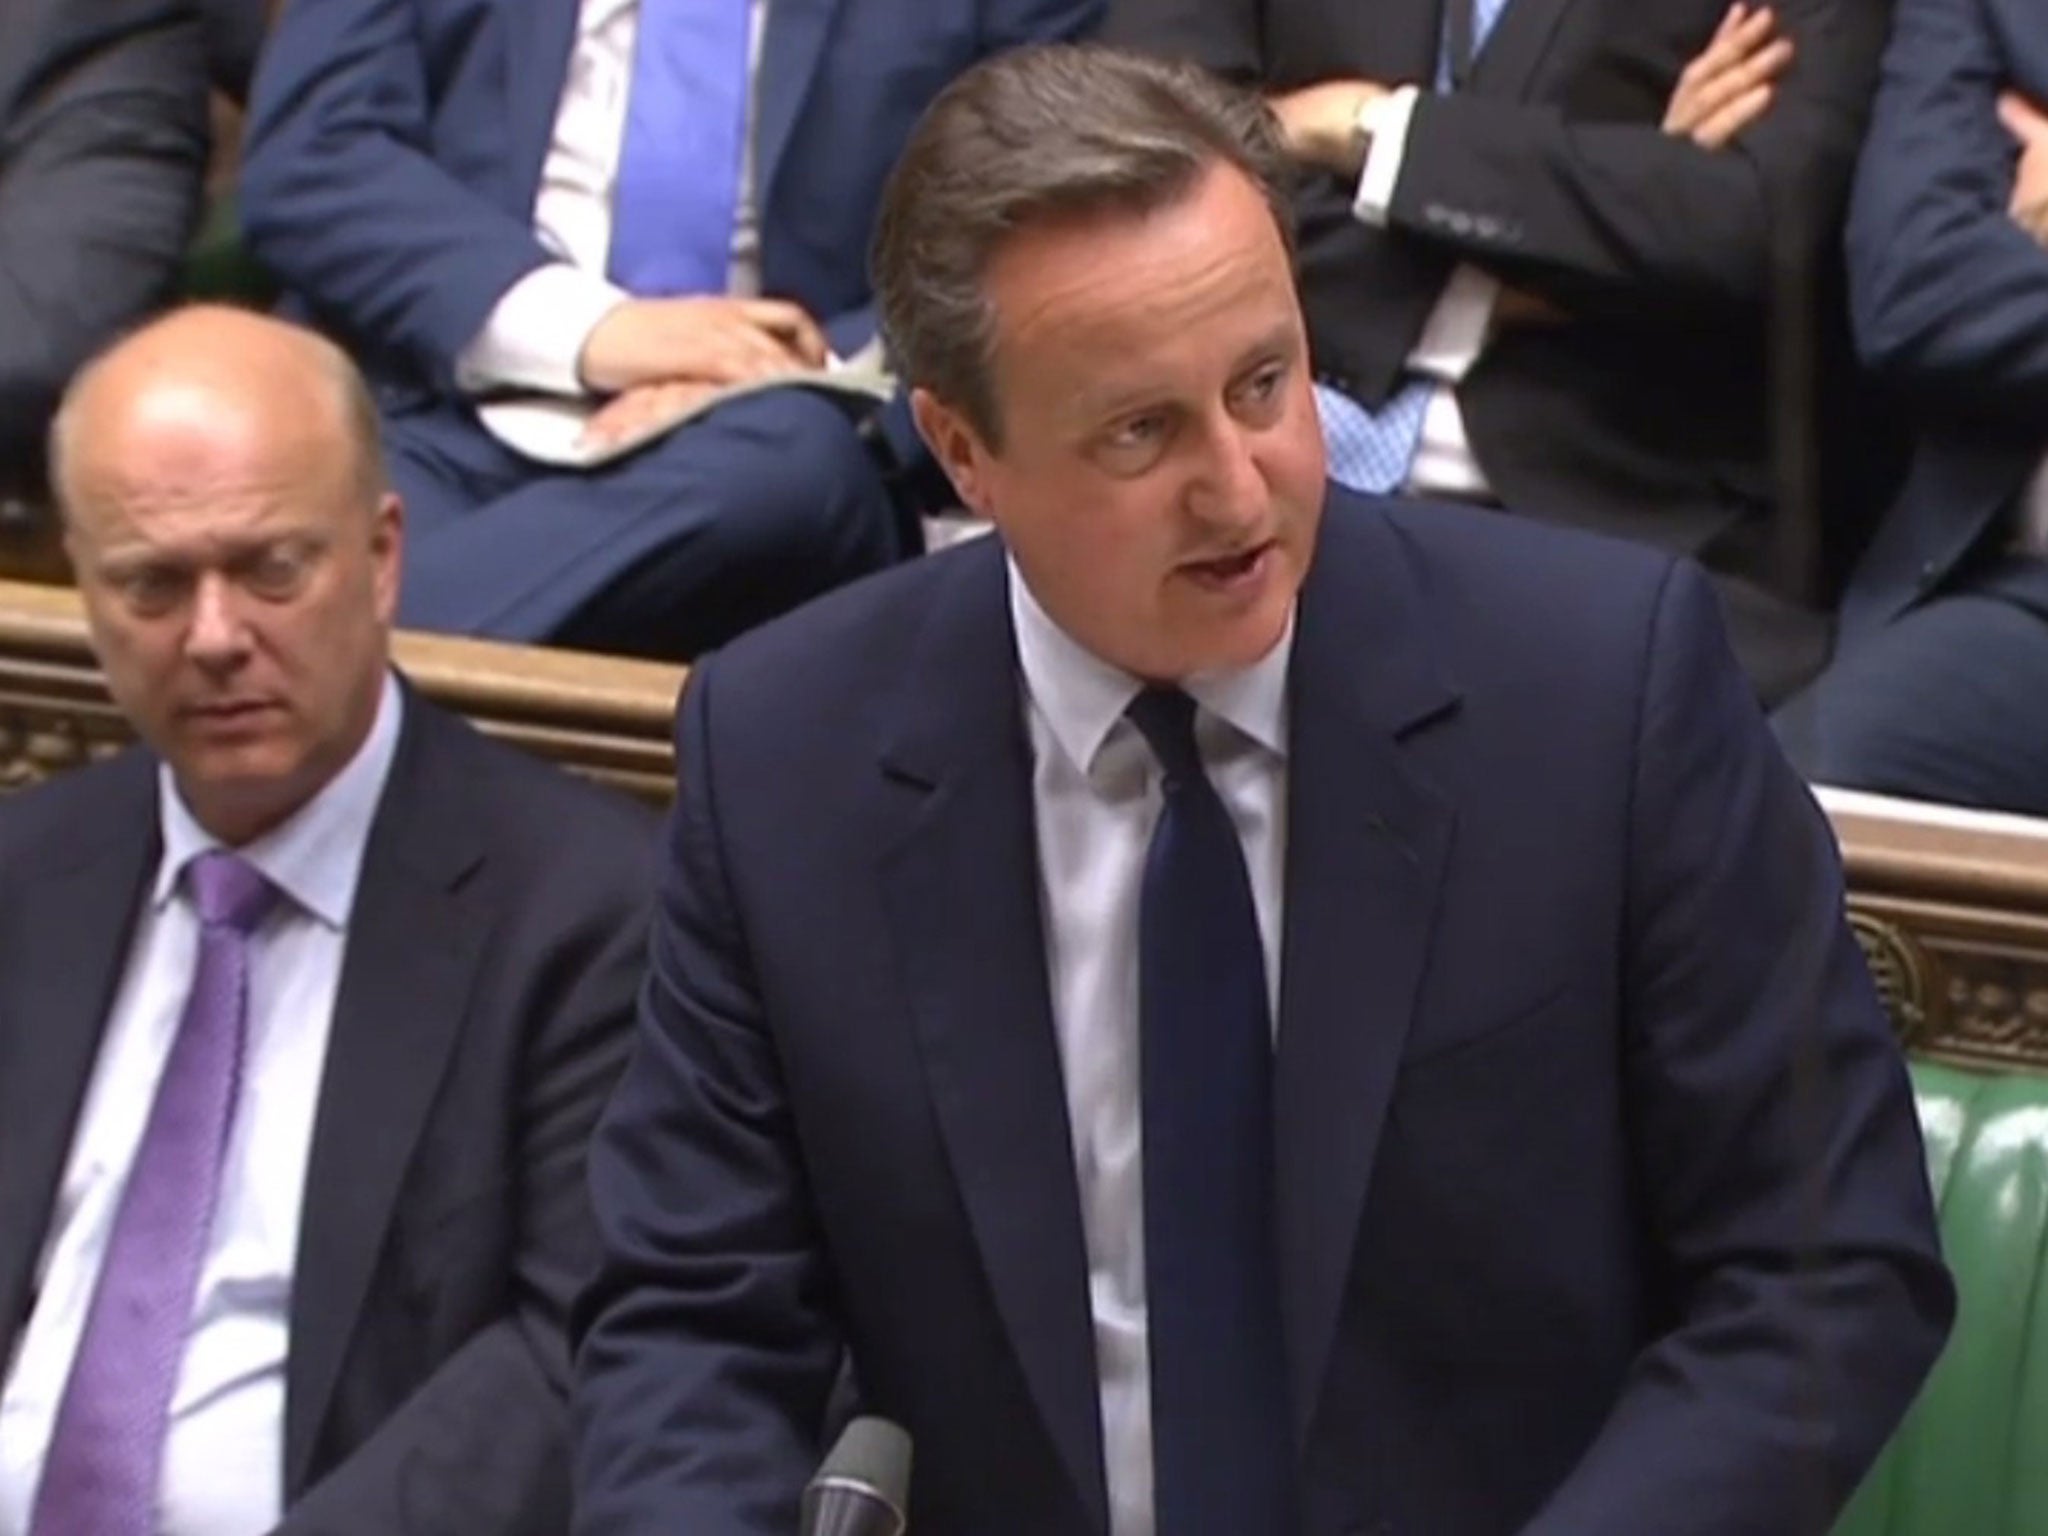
(797, 488)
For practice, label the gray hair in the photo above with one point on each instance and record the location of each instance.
(1036, 136)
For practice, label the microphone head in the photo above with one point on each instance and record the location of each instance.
(863, 1487)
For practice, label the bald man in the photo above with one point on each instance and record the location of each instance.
(307, 1005)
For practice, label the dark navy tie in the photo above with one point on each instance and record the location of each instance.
(1220, 1443)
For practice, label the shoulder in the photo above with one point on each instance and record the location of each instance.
(1501, 579)
(529, 814)
(75, 812)
(820, 672)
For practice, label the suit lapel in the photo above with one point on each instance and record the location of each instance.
(1367, 841)
(68, 931)
(961, 891)
(412, 951)
(792, 45)
(1507, 66)
(537, 46)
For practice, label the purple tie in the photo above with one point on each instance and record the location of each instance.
(105, 1456)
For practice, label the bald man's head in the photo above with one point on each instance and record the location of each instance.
(225, 361)
(225, 509)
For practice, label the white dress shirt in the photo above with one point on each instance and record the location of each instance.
(1456, 331)
(533, 337)
(1095, 788)
(223, 1467)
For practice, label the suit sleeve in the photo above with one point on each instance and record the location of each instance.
(342, 199)
(1622, 217)
(1774, 1133)
(706, 1351)
(481, 1448)
(100, 183)
(1949, 296)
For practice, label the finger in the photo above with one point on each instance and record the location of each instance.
(1739, 83)
(1703, 84)
(610, 423)
(791, 325)
(2019, 115)
(749, 359)
(1721, 128)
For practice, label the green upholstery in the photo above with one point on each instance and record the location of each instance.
(1972, 1458)
(219, 267)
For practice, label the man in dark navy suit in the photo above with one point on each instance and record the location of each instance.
(1238, 1007)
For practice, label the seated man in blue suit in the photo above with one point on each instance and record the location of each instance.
(583, 201)
(1240, 1008)
(1942, 668)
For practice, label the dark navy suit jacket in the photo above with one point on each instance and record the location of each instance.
(395, 147)
(480, 1020)
(1601, 1204)
(1951, 297)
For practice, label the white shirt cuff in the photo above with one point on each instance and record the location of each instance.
(536, 332)
(1386, 119)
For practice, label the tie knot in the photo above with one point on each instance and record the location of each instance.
(229, 891)
(1165, 717)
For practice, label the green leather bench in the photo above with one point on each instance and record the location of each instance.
(1972, 1457)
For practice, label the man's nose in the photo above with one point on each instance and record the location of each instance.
(218, 635)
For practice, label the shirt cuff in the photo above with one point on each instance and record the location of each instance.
(1386, 119)
(535, 334)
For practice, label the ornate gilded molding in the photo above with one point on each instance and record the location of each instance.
(36, 743)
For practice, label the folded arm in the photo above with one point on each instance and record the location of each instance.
(1624, 216)
(1949, 292)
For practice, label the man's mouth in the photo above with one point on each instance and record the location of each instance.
(1232, 570)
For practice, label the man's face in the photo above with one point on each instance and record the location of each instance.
(240, 594)
(1161, 471)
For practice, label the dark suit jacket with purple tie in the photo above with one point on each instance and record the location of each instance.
(1601, 1208)
(493, 953)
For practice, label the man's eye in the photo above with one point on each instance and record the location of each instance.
(1263, 386)
(1138, 432)
(276, 572)
(153, 589)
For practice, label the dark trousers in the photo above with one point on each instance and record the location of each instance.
(731, 519)
(1948, 702)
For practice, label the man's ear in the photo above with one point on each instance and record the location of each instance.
(956, 445)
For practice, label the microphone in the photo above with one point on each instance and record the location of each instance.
(863, 1486)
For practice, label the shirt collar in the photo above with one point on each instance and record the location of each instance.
(1083, 697)
(315, 856)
